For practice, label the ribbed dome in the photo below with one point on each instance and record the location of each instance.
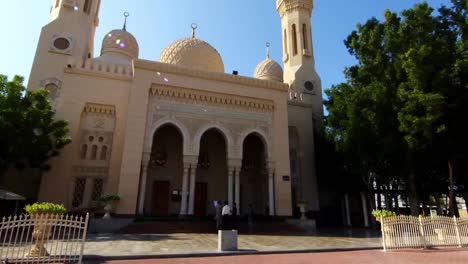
(193, 52)
(269, 70)
(120, 42)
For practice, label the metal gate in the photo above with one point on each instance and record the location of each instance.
(43, 238)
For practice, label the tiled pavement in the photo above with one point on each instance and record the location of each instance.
(138, 244)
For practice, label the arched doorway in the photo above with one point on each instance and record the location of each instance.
(211, 177)
(165, 170)
(254, 176)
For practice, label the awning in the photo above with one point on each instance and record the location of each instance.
(11, 196)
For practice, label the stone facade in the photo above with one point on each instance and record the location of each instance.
(121, 109)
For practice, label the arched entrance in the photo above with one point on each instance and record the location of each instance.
(211, 177)
(165, 170)
(254, 176)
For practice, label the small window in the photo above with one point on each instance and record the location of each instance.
(61, 43)
(84, 151)
(285, 39)
(87, 6)
(304, 37)
(104, 153)
(94, 150)
(78, 192)
(53, 91)
(294, 39)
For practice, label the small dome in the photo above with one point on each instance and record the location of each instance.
(193, 52)
(121, 44)
(269, 70)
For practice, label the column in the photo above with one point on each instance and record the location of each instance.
(347, 211)
(230, 186)
(364, 209)
(87, 192)
(193, 170)
(184, 194)
(143, 182)
(271, 193)
(237, 187)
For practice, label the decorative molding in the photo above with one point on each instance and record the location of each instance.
(91, 108)
(99, 68)
(197, 73)
(204, 97)
(285, 6)
(91, 170)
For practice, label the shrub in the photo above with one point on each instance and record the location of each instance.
(109, 197)
(382, 213)
(45, 208)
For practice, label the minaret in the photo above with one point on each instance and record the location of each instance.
(298, 54)
(69, 33)
(305, 108)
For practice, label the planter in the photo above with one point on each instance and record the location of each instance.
(109, 208)
(303, 209)
(41, 233)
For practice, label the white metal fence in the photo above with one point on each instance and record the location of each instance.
(43, 238)
(422, 232)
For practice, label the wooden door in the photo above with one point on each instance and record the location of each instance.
(161, 193)
(201, 194)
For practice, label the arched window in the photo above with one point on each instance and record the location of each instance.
(304, 37)
(285, 39)
(294, 39)
(104, 153)
(87, 6)
(53, 91)
(57, 2)
(94, 150)
(84, 151)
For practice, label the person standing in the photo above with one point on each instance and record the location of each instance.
(218, 215)
(226, 212)
(234, 216)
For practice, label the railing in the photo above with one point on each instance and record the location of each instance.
(423, 232)
(43, 238)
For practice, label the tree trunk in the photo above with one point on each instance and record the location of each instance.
(437, 203)
(413, 195)
(451, 196)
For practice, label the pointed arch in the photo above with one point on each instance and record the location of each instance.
(167, 121)
(261, 134)
(223, 131)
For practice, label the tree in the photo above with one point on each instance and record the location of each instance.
(29, 134)
(402, 106)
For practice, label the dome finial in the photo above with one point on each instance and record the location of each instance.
(268, 49)
(194, 28)
(126, 14)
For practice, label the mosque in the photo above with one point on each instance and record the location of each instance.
(172, 136)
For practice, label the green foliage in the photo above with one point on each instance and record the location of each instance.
(402, 110)
(109, 197)
(45, 208)
(378, 214)
(29, 134)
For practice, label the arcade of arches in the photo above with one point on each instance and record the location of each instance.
(175, 184)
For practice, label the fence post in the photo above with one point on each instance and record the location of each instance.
(383, 233)
(457, 231)
(83, 240)
(421, 229)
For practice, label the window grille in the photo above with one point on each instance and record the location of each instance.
(97, 189)
(79, 191)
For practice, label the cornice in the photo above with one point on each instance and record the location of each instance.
(99, 109)
(285, 6)
(216, 76)
(211, 98)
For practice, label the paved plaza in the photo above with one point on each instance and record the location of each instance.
(131, 245)
(450, 256)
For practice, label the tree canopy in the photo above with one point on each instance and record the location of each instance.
(401, 113)
(29, 134)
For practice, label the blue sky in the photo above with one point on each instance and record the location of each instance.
(237, 29)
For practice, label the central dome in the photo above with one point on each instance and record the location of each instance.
(194, 53)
